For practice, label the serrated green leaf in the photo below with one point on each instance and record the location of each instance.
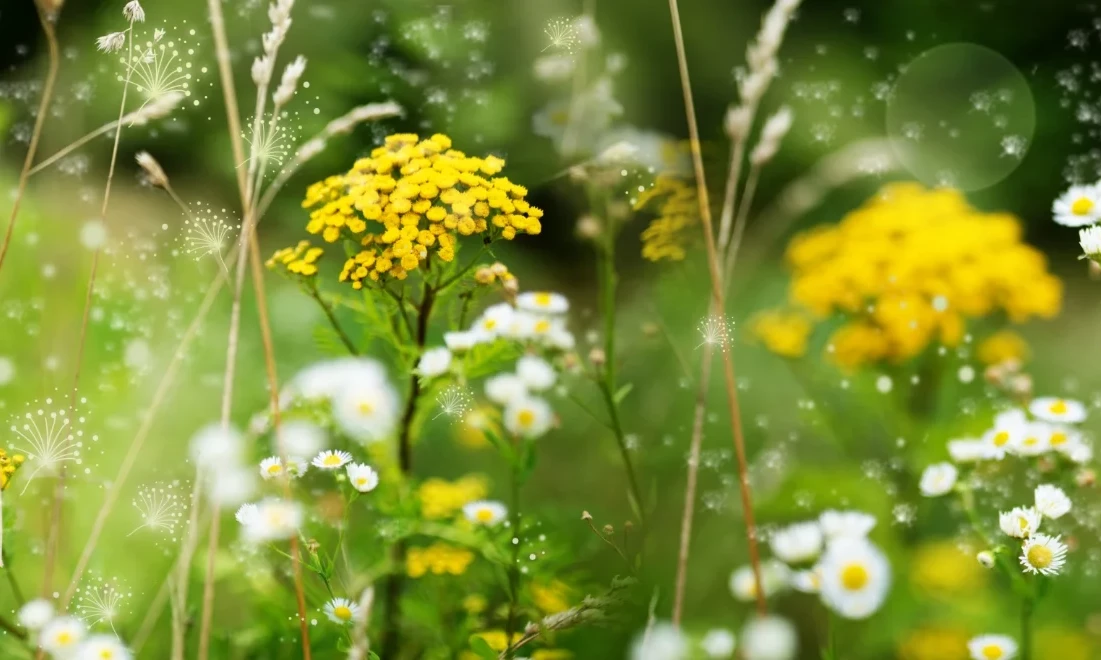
(327, 341)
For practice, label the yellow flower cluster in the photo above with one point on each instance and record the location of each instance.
(551, 597)
(496, 272)
(909, 267)
(8, 467)
(438, 559)
(298, 260)
(783, 333)
(442, 499)
(940, 569)
(678, 212)
(935, 643)
(420, 195)
(497, 639)
(1002, 347)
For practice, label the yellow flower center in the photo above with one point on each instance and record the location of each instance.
(526, 418)
(543, 299)
(1000, 438)
(484, 515)
(1022, 522)
(1058, 438)
(1058, 408)
(542, 325)
(854, 577)
(365, 407)
(361, 481)
(1039, 556)
(1030, 441)
(106, 654)
(275, 468)
(1081, 206)
(64, 638)
(992, 652)
(342, 612)
(332, 460)
(489, 324)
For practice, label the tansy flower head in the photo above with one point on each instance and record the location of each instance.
(9, 465)
(1043, 554)
(341, 611)
(673, 200)
(442, 499)
(300, 260)
(438, 559)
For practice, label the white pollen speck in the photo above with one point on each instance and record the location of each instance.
(966, 374)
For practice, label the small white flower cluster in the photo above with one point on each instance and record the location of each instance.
(1051, 429)
(271, 519)
(763, 638)
(831, 556)
(1080, 206)
(1040, 553)
(219, 455)
(64, 636)
(363, 403)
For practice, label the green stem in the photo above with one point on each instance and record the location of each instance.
(514, 566)
(1027, 609)
(331, 316)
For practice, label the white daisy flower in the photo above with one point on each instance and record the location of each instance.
(367, 412)
(329, 378)
(769, 638)
(341, 610)
(1080, 454)
(332, 459)
(798, 543)
(362, 477)
(1051, 501)
(1020, 522)
(992, 647)
(528, 417)
(1078, 207)
(1034, 440)
(543, 302)
(846, 524)
(938, 479)
(495, 320)
(1062, 438)
(660, 641)
(102, 647)
(503, 389)
(561, 339)
(968, 450)
(297, 466)
(434, 362)
(855, 578)
(301, 438)
(271, 468)
(275, 520)
(213, 446)
(62, 635)
(1090, 240)
(465, 340)
(808, 581)
(1009, 427)
(231, 485)
(485, 512)
(1043, 554)
(1058, 411)
(36, 614)
(536, 373)
(718, 643)
(247, 514)
(774, 574)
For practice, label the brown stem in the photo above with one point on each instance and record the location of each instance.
(43, 111)
(718, 304)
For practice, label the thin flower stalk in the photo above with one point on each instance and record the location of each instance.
(53, 53)
(718, 304)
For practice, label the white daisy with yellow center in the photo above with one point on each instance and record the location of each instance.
(367, 411)
(1043, 554)
(1051, 501)
(1020, 522)
(1078, 207)
(1033, 441)
(485, 512)
(1009, 428)
(1058, 410)
(528, 417)
(855, 578)
(846, 524)
(992, 647)
(536, 373)
(62, 635)
(434, 362)
(797, 544)
(36, 613)
(967, 450)
(332, 459)
(495, 320)
(775, 576)
(271, 467)
(363, 478)
(543, 302)
(938, 479)
(341, 611)
(273, 519)
(103, 647)
(1090, 240)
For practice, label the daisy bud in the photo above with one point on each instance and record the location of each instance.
(111, 43)
(133, 12)
(152, 168)
(986, 558)
(608, 530)
(585, 515)
(1085, 478)
(597, 357)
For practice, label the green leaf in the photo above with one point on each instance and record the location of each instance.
(622, 393)
(482, 648)
(371, 655)
(327, 341)
(528, 457)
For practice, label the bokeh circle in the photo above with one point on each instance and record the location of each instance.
(961, 115)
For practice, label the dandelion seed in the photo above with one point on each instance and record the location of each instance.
(1014, 146)
(103, 601)
(715, 331)
(49, 437)
(206, 233)
(160, 67)
(161, 509)
(454, 401)
(562, 34)
(271, 145)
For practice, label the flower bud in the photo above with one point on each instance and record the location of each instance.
(986, 558)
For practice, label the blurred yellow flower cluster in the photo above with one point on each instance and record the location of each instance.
(438, 559)
(8, 466)
(421, 194)
(783, 333)
(907, 269)
(551, 597)
(442, 499)
(935, 644)
(677, 213)
(1001, 347)
(942, 570)
(298, 260)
